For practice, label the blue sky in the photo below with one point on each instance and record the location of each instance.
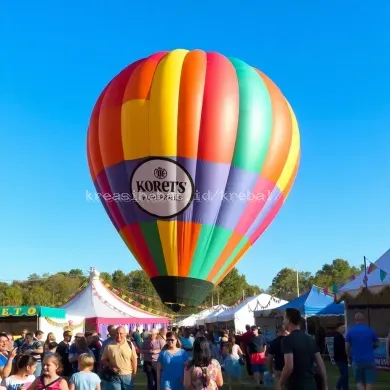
(330, 59)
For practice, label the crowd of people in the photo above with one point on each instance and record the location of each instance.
(190, 359)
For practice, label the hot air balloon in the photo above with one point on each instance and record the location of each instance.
(192, 155)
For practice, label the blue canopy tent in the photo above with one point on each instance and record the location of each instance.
(314, 303)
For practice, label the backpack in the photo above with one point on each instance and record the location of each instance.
(132, 345)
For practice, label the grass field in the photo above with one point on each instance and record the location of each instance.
(383, 380)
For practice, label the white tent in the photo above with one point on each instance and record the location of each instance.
(377, 280)
(242, 314)
(217, 310)
(102, 307)
(189, 321)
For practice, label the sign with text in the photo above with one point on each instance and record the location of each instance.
(380, 353)
(19, 311)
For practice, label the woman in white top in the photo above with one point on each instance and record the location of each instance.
(233, 367)
(25, 368)
(236, 350)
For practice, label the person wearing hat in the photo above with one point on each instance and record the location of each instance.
(256, 349)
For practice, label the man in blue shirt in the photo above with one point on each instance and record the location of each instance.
(360, 345)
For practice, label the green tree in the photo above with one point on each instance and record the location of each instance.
(33, 277)
(11, 296)
(120, 280)
(251, 291)
(60, 287)
(337, 272)
(76, 272)
(37, 296)
(139, 281)
(232, 289)
(284, 284)
(106, 277)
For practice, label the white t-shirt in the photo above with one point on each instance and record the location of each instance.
(13, 383)
(235, 350)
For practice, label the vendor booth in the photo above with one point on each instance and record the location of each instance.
(214, 313)
(14, 319)
(187, 322)
(201, 320)
(237, 317)
(369, 293)
(319, 311)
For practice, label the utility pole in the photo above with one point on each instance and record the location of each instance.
(296, 269)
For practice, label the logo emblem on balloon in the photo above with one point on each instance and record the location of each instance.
(160, 173)
(162, 187)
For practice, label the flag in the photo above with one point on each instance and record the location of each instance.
(382, 275)
(371, 268)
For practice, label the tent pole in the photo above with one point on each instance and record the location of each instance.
(366, 285)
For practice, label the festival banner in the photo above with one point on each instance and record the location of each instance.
(381, 361)
(31, 311)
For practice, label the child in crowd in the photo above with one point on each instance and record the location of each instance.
(24, 376)
(232, 362)
(85, 379)
(50, 378)
(52, 349)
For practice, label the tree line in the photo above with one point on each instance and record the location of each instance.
(284, 284)
(51, 289)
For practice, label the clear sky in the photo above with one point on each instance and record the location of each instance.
(330, 58)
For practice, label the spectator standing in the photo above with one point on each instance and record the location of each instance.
(11, 342)
(52, 349)
(6, 357)
(275, 357)
(85, 379)
(24, 375)
(63, 351)
(79, 347)
(121, 359)
(202, 372)
(34, 348)
(300, 353)
(171, 362)
(50, 378)
(150, 350)
(111, 329)
(256, 349)
(187, 342)
(361, 342)
(244, 347)
(95, 346)
(19, 342)
(340, 358)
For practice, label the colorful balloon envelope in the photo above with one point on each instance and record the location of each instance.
(192, 155)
